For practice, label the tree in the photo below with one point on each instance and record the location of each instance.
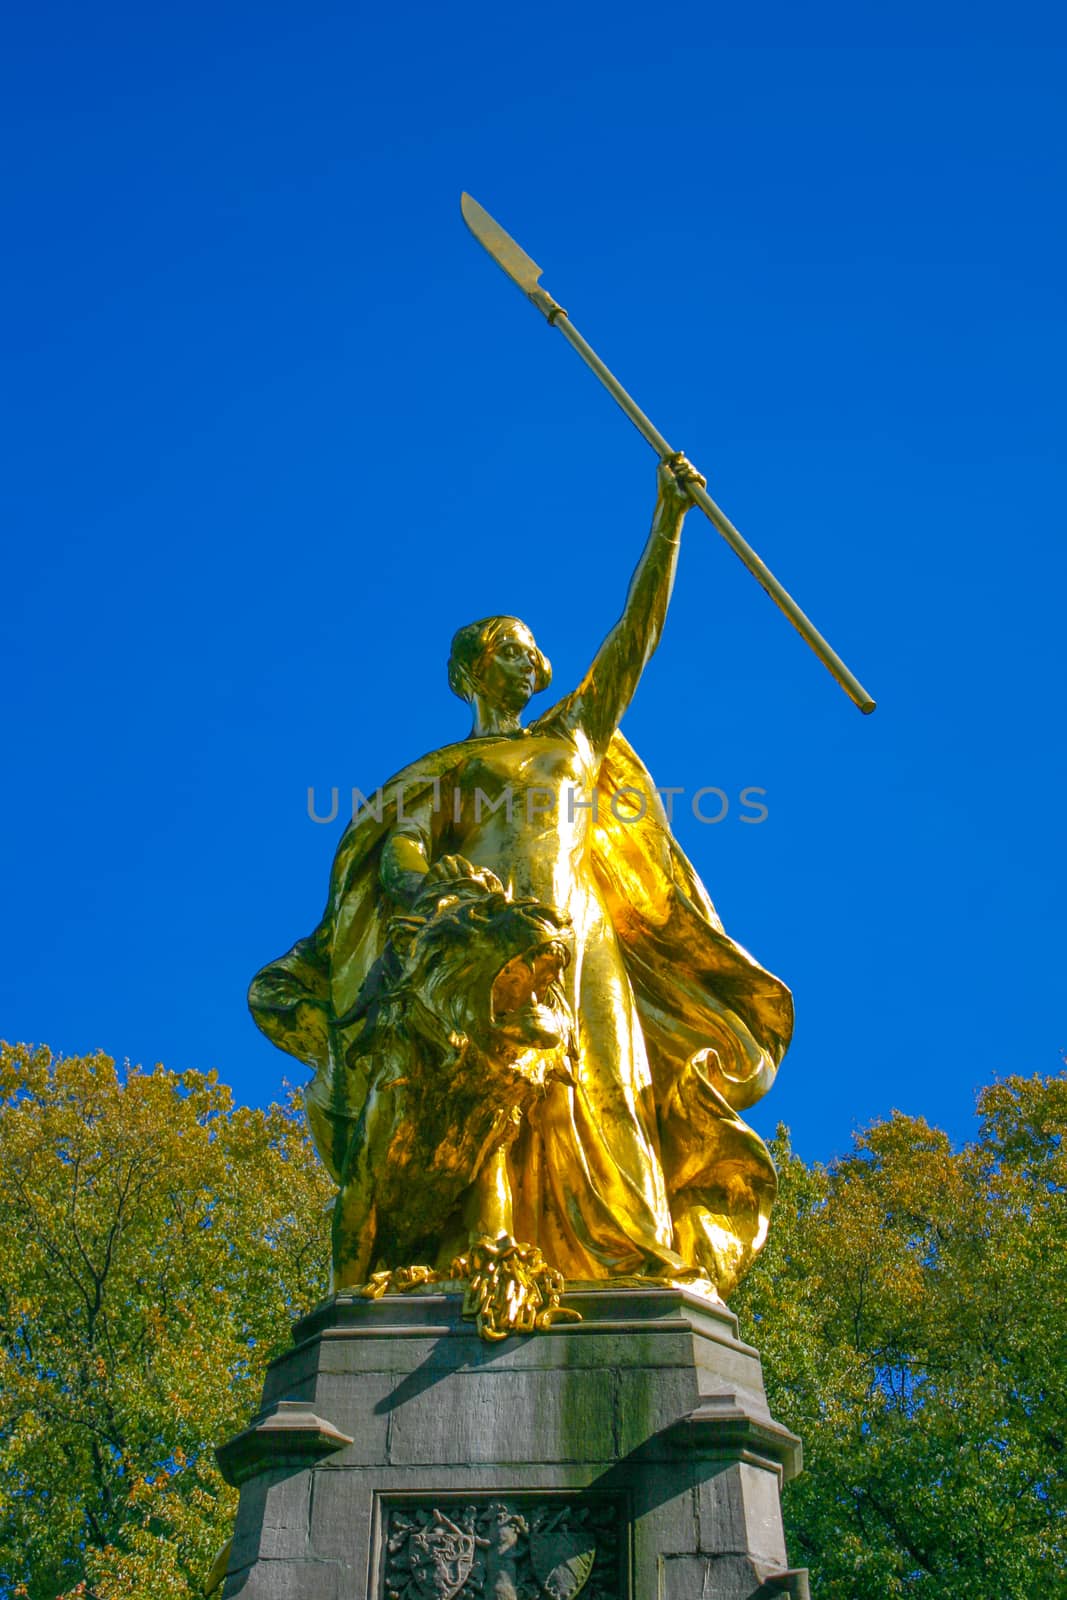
(157, 1242)
(911, 1311)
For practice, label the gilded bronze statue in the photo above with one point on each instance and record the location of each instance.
(531, 1037)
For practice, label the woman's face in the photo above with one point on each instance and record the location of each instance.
(507, 674)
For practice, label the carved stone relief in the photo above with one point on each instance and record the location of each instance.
(512, 1547)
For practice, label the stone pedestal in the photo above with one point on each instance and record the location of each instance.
(629, 1456)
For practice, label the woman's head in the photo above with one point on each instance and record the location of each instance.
(498, 660)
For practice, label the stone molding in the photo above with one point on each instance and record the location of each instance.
(442, 1453)
(723, 1428)
(287, 1434)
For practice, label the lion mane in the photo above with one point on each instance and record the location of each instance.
(466, 1021)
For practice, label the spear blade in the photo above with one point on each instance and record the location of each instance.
(520, 268)
(524, 271)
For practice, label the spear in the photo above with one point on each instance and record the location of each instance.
(527, 274)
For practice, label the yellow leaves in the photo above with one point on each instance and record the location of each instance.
(909, 1312)
(24, 1069)
(157, 1243)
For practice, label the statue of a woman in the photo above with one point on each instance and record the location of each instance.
(626, 1158)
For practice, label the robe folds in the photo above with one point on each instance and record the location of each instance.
(665, 1180)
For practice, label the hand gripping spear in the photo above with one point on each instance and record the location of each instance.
(526, 273)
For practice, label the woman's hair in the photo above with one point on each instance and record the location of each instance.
(471, 644)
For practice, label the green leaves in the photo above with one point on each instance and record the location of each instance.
(158, 1241)
(910, 1311)
(909, 1308)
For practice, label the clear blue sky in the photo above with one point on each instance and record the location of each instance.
(275, 426)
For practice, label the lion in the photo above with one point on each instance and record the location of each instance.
(465, 1022)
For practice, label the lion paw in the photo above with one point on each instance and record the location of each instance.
(510, 1288)
(397, 1280)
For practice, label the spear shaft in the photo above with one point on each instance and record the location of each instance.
(526, 273)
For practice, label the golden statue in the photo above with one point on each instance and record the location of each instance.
(531, 1036)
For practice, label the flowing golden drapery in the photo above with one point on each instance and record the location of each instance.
(642, 1165)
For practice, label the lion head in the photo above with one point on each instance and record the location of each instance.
(468, 1023)
(477, 969)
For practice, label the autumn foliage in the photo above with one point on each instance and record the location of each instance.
(911, 1310)
(157, 1241)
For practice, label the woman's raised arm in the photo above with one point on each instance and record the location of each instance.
(597, 705)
